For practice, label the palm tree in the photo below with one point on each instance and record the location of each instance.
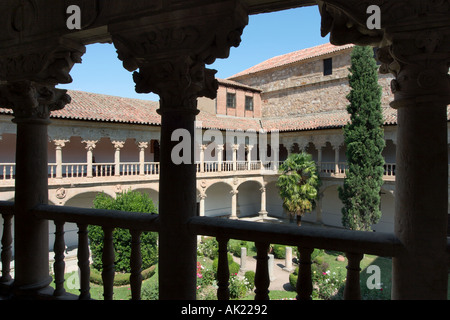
(298, 184)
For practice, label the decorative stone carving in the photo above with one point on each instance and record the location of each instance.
(30, 100)
(90, 144)
(61, 193)
(171, 57)
(118, 144)
(49, 65)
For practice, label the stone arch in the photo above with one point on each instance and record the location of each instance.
(83, 200)
(249, 198)
(152, 193)
(218, 199)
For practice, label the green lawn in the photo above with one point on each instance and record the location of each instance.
(385, 265)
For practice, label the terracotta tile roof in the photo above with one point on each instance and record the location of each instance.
(231, 83)
(293, 57)
(88, 106)
(323, 120)
(98, 107)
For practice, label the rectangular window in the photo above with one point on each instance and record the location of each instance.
(249, 103)
(231, 100)
(327, 66)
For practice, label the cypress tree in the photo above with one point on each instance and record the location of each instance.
(364, 138)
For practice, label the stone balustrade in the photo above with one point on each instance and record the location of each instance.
(82, 170)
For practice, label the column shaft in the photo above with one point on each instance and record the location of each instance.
(31, 265)
(177, 203)
(421, 203)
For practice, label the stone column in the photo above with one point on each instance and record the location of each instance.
(117, 146)
(249, 156)
(275, 156)
(219, 156)
(202, 157)
(319, 158)
(202, 204)
(31, 104)
(263, 211)
(170, 53)
(336, 159)
(142, 146)
(59, 144)
(235, 148)
(29, 73)
(422, 93)
(414, 47)
(90, 146)
(234, 193)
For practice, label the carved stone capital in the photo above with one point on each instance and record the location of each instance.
(178, 82)
(32, 101)
(142, 145)
(60, 143)
(171, 51)
(90, 144)
(419, 62)
(118, 144)
(42, 63)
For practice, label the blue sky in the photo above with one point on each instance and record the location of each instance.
(266, 36)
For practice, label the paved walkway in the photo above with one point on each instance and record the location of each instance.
(280, 277)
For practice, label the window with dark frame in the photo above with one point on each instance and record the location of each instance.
(327, 66)
(231, 100)
(248, 103)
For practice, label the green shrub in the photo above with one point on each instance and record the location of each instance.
(279, 251)
(293, 279)
(250, 276)
(234, 246)
(238, 287)
(150, 290)
(121, 279)
(208, 247)
(233, 266)
(131, 201)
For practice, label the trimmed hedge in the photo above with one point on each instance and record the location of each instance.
(121, 279)
(233, 266)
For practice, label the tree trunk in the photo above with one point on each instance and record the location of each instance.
(299, 220)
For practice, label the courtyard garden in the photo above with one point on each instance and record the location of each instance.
(328, 273)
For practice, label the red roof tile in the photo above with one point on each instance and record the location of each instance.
(323, 120)
(293, 57)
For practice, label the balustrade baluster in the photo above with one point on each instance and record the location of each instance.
(59, 265)
(352, 290)
(6, 255)
(83, 262)
(136, 265)
(108, 263)
(262, 280)
(304, 281)
(223, 273)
